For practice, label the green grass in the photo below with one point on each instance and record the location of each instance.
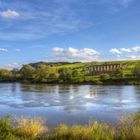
(128, 64)
(128, 128)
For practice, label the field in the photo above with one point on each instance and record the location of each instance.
(127, 65)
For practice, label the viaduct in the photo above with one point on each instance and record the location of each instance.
(105, 68)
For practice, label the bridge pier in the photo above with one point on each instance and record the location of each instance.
(106, 68)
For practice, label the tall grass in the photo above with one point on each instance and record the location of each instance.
(6, 130)
(128, 128)
(30, 127)
(95, 131)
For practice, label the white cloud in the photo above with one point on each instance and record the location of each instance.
(3, 50)
(57, 17)
(125, 53)
(12, 66)
(9, 14)
(58, 49)
(125, 50)
(118, 56)
(89, 51)
(115, 51)
(134, 57)
(73, 54)
(136, 48)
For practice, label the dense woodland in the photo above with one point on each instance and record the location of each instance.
(71, 73)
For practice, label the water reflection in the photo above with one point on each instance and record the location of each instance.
(137, 89)
(72, 101)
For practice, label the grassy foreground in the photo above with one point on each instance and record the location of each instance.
(25, 129)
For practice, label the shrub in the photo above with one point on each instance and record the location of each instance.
(129, 128)
(6, 129)
(5, 126)
(136, 71)
(95, 131)
(30, 127)
(104, 76)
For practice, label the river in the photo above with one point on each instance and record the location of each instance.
(70, 104)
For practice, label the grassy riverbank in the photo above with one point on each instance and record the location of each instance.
(24, 129)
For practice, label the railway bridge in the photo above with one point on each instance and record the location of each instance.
(103, 68)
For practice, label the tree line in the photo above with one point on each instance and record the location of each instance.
(49, 74)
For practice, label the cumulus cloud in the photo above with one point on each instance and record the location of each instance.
(131, 53)
(115, 51)
(9, 14)
(125, 50)
(73, 54)
(136, 48)
(3, 50)
(134, 57)
(11, 66)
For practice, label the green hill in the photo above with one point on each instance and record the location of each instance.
(111, 73)
(127, 65)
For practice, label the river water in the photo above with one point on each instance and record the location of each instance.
(70, 104)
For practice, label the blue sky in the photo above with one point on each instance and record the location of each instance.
(68, 30)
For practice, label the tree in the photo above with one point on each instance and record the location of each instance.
(42, 73)
(76, 73)
(65, 74)
(27, 72)
(6, 75)
(136, 70)
(53, 75)
(119, 73)
(104, 76)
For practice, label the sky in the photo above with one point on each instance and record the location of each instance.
(68, 30)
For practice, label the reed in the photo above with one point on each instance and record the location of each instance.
(128, 128)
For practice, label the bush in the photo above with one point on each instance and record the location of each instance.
(136, 70)
(95, 131)
(104, 76)
(5, 126)
(30, 127)
(128, 128)
(6, 129)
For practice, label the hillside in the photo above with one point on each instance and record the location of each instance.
(127, 65)
(112, 72)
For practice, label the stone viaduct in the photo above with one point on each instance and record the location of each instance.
(104, 68)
